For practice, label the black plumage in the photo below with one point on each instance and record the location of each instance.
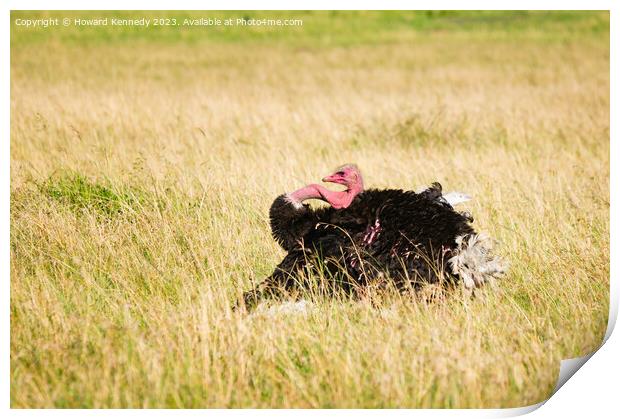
(402, 236)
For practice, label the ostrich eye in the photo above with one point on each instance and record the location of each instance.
(340, 173)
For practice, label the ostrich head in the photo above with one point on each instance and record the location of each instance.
(348, 175)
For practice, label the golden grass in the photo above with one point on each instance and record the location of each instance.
(126, 303)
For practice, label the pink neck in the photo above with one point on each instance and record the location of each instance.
(336, 199)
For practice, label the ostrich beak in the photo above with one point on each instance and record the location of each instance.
(334, 178)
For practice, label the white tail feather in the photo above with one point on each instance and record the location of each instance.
(474, 261)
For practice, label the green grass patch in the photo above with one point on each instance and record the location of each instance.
(80, 193)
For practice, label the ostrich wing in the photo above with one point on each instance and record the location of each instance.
(434, 192)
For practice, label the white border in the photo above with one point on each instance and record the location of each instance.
(595, 386)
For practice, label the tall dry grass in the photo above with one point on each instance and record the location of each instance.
(141, 175)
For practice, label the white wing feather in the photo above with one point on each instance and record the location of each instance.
(455, 198)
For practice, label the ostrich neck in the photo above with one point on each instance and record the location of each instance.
(336, 199)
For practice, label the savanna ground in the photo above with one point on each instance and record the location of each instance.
(143, 163)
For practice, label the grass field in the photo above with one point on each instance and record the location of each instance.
(144, 161)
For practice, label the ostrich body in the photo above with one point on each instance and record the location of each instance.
(365, 236)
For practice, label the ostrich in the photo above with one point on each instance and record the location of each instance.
(365, 236)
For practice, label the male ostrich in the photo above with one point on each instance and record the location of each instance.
(366, 236)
